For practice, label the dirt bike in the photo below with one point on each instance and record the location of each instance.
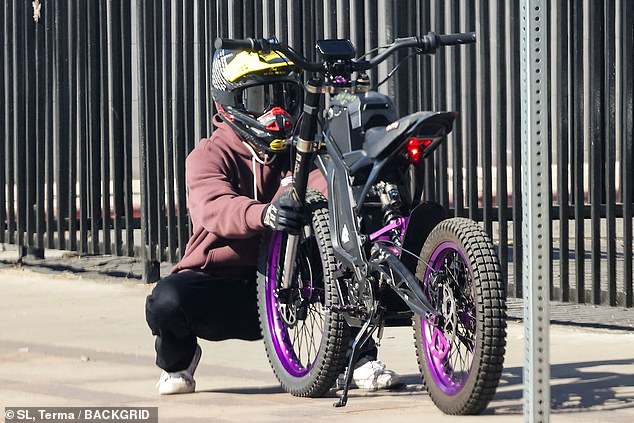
(374, 254)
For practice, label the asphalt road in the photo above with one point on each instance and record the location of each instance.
(67, 341)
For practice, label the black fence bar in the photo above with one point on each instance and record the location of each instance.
(500, 134)
(594, 130)
(83, 137)
(188, 72)
(10, 112)
(484, 109)
(157, 142)
(154, 134)
(4, 135)
(61, 128)
(454, 64)
(561, 109)
(50, 101)
(21, 118)
(168, 144)
(97, 120)
(145, 112)
(29, 161)
(129, 126)
(470, 113)
(627, 142)
(179, 129)
(439, 11)
(72, 125)
(93, 185)
(41, 138)
(515, 133)
(116, 117)
(608, 102)
(577, 141)
(104, 126)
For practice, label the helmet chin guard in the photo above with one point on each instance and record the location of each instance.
(278, 122)
(269, 132)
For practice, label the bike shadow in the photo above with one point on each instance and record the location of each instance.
(249, 390)
(575, 387)
(404, 387)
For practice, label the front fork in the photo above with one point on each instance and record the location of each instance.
(306, 149)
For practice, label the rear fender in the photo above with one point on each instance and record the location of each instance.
(422, 220)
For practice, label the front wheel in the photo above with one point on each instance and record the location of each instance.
(461, 351)
(305, 339)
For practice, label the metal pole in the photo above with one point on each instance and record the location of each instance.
(536, 213)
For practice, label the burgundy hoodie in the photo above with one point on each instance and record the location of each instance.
(225, 210)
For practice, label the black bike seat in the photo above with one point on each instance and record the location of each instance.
(382, 140)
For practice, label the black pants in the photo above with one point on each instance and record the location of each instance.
(189, 305)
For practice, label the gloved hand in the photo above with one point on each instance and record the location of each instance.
(284, 214)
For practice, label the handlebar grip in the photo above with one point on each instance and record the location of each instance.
(230, 44)
(455, 39)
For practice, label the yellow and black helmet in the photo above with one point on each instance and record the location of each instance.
(259, 95)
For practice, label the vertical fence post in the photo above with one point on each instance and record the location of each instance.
(4, 136)
(150, 267)
(71, 124)
(536, 213)
(104, 121)
(627, 129)
(577, 75)
(501, 131)
(127, 125)
(609, 141)
(39, 78)
(515, 136)
(51, 102)
(561, 131)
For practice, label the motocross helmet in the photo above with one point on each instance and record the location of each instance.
(258, 95)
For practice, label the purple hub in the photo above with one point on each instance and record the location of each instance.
(439, 345)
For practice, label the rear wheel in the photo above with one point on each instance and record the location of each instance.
(305, 340)
(461, 352)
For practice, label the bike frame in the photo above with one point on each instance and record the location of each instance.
(346, 202)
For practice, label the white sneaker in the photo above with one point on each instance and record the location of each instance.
(371, 375)
(181, 382)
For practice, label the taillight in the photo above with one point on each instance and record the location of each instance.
(416, 147)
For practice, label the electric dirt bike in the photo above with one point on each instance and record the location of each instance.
(373, 254)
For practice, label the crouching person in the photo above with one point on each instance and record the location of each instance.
(232, 180)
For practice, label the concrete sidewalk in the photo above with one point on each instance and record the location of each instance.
(69, 341)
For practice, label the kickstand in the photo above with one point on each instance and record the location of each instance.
(362, 337)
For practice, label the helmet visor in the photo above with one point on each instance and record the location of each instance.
(258, 99)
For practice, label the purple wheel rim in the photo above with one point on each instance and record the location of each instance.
(432, 337)
(280, 336)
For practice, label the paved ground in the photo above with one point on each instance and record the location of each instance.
(73, 341)
(104, 267)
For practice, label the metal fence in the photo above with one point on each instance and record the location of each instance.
(102, 100)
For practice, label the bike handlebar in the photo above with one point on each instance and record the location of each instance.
(427, 44)
(456, 39)
(250, 44)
